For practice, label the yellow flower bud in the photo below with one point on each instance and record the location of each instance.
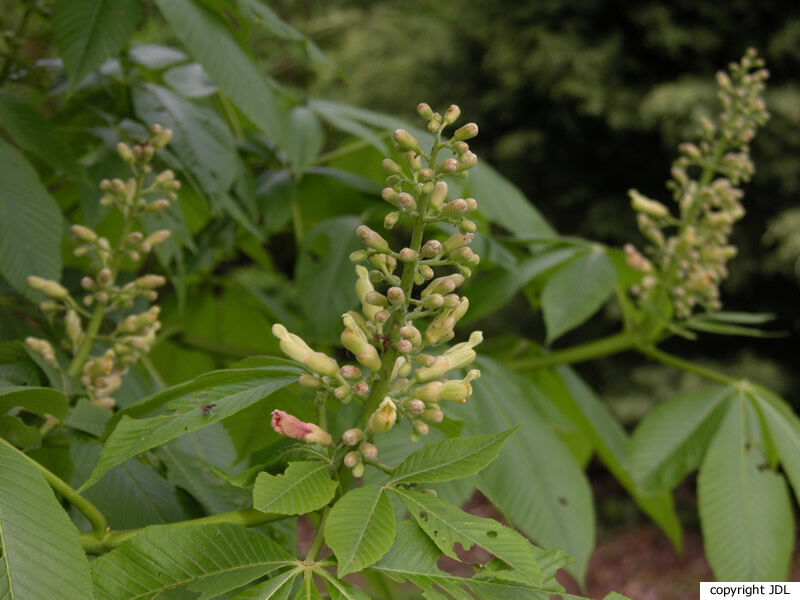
(384, 418)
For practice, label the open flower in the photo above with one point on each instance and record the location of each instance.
(291, 426)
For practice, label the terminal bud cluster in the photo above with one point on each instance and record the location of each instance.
(410, 301)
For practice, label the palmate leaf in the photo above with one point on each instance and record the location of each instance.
(134, 436)
(448, 525)
(226, 63)
(576, 291)
(672, 439)
(577, 401)
(413, 558)
(40, 551)
(277, 588)
(783, 426)
(303, 488)
(552, 504)
(30, 224)
(306, 140)
(213, 559)
(360, 528)
(745, 509)
(451, 458)
(86, 32)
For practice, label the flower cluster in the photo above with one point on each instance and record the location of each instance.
(133, 336)
(406, 309)
(689, 253)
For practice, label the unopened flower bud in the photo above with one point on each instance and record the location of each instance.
(460, 147)
(290, 426)
(389, 195)
(72, 326)
(415, 406)
(439, 194)
(426, 272)
(649, 207)
(375, 298)
(454, 208)
(465, 132)
(467, 226)
(439, 366)
(53, 289)
(406, 201)
(425, 111)
(162, 139)
(309, 381)
(391, 167)
(404, 346)
(351, 459)
(384, 418)
(372, 239)
(395, 295)
(361, 389)
(462, 255)
(434, 415)
(421, 427)
(467, 161)
(159, 205)
(432, 301)
(83, 234)
(448, 165)
(390, 220)
(462, 355)
(407, 255)
(157, 237)
(452, 114)
(149, 282)
(343, 393)
(431, 248)
(368, 451)
(125, 152)
(358, 256)
(456, 241)
(358, 470)
(405, 141)
(350, 372)
(352, 436)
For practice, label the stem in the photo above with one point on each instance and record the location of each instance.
(89, 510)
(319, 537)
(86, 345)
(606, 346)
(685, 365)
(249, 517)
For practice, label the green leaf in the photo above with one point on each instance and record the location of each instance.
(197, 477)
(711, 326)
(413, 558)
(202, 140)
(451, 458)
(86, 32)
(88, 417)
(19, 433)
(303, 488)
(324, 271)
(360, 528)
(576, 291)
(745, 510)
(190, 81)
(615, 596)
(784, 430)
(305, 139)
(214, 559)
(130, 495)
(226, 63)
(489, 293)
(277, 588)
(672, 439)
(31, 131)
(134, 436)
(503, 203)
(41, 553)
(30, 224)
(200, 386)
(38, 400)
(448, 525)
(577, 401)
(552, 503)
